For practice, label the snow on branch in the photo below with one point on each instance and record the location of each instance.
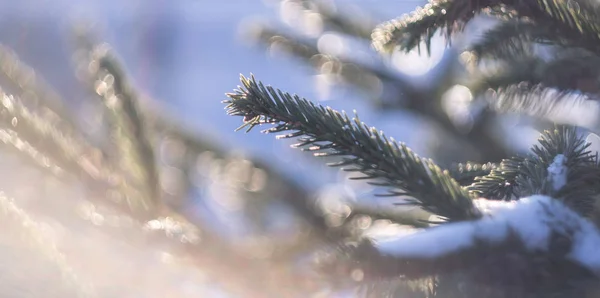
(539, 224)
(557, 172)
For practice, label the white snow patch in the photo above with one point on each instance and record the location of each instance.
(557, 172)
(575, 109)
(586, 243)
(490, 206)
(533, 219)
(594, 142)
(431, 243)
(527, 217)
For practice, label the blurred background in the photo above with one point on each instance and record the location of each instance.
(256, 209)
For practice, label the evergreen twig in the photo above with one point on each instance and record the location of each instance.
(516, 37)
(65, 149)
(338, 21)
(423, 99)
(465, 173)
(508, 39)
(69, 150)
(330, 133)
(26, 84)
(14, 143)
(31, 133)
(565, 71)
(159, 119)
(511, 72)
(500, 183)
(353, 71)
(521, 177)
(580, 187)
(573, 21)
(45, 132)
(135, 154)
(560, 106)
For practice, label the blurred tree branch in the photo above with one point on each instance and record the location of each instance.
(43, 134)
(424, 99)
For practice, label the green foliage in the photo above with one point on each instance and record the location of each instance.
(421, 25)
(521, 177)
(506, 39)
(381, 83)
(582, 170)
(364, 149)
(547, 103)
(564, 71)
(464, 173)
(500, 183)
(563, 22)
(329, 133)
(540, 60)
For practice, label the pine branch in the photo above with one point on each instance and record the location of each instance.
(421, 25)
(411, 97)
(135, 154)
(508, 39)
(358, 74)
(160, 120)
(35, 113)
(295, 196)
(65, 149)
(572, 69)
(579, 189)
(573, 21)
(255, 277)
(562, 107)
(521, 177)
(23, 82)
(500, 183)
(69, 150)
(408, 32)
(14, 143)
(485, 269)
(517, 37)
(511, 72)
(496, 252)
(566, 71)
(338, 21)
(330, 133)
(465, 173)
(43, 130)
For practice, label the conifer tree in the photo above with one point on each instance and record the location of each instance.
(526, 226)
